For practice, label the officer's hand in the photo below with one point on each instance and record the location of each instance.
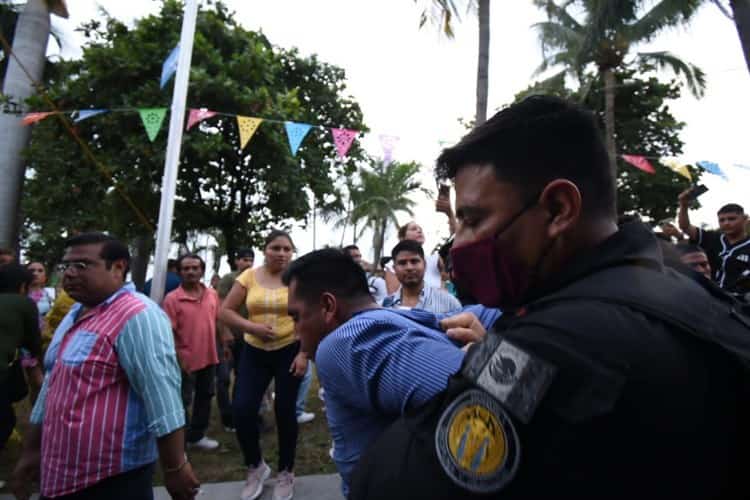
(299, 365)
(464, 328)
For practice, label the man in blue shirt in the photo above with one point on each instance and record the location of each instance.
(374, 363)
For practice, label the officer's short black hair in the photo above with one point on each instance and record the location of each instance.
(535, 141)
(172, 265)
(349, 248)
(407, 246)
(190, 256)
(112, 248)
(731, 208)
(686, 248)
(327, 270)
(12, 276)
(245, 252)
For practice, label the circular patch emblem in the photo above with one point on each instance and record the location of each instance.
(476, 443)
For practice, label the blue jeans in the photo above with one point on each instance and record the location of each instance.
(304, 388)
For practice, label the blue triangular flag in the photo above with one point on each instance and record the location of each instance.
(88, 113)
(170, 65)
(712, 168)
(296, 132)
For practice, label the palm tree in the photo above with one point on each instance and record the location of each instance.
(442, 13)
(740, 15)
(606, 36)
(32, 32)
(382, 193)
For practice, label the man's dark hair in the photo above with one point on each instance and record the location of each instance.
(173, 265)
(244, 252)
(12, 276)
(349, 248)
(112, 248)
(327, 270)
(686, 248)
(535, 141)
(407, 246)
(731, 208)
(190, 256)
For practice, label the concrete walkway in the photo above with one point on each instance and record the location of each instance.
(319, 487)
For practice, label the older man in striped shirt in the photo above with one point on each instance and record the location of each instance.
(110, 402)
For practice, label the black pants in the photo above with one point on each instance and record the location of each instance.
(7, 416)
(223, 381)
(256, 369)
(198, 387)
(131, 485)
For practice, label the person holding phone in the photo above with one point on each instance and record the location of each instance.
(728, 249)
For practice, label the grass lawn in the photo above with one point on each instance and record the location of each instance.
(226, 463)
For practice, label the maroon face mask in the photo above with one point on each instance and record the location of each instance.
(489, 270)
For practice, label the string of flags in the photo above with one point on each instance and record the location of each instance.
(642, 163)
(153, 119)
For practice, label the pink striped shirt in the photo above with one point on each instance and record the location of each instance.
(94, 424)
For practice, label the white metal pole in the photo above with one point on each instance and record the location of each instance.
(172, 161)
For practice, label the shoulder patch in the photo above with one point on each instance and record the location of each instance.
(516, 378)
(476, 443)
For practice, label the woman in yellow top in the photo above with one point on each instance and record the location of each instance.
(271, 351)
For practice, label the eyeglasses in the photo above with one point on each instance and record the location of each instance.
(76, 265)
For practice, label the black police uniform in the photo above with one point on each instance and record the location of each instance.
(730, 263)
(608, 401)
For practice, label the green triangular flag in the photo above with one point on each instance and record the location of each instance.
(152, 119)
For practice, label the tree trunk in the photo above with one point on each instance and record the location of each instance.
(139, 263)
(609, 117)
(741, 12)
(29, 46)
(484, 62)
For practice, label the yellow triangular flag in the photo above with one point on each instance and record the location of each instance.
(248, 125)
(677, 167)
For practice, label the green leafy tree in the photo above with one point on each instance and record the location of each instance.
(241, 193)
(644, 126)
(383, 192)
(607, 33)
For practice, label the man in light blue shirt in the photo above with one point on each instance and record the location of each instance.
(409, 267)
(374, 363)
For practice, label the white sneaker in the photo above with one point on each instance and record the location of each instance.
(256, 476)
(205, 443)
(284, 488)
(305, 417)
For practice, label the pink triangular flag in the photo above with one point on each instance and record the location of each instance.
(639, 162)
(197, 116)
(343, 138)
(35, 117)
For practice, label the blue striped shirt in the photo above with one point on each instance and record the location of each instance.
(435, 300)
(379, 364)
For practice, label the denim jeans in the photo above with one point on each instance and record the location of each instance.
(304, 388)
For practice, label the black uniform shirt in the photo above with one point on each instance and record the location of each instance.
(635, 410)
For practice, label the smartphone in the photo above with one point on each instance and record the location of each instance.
(444, 191)
(697, 190)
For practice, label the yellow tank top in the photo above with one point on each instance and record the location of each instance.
(267, 306)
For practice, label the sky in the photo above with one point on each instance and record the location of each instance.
(416, 84)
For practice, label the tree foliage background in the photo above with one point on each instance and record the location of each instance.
(239, 195)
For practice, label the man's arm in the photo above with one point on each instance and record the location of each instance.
(683, 219)
(387, 369)
(146, 353)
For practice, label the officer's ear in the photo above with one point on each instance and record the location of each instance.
(561, 199)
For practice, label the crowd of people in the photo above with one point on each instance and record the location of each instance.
(547, 350)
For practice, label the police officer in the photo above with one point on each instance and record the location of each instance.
(606, 377)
